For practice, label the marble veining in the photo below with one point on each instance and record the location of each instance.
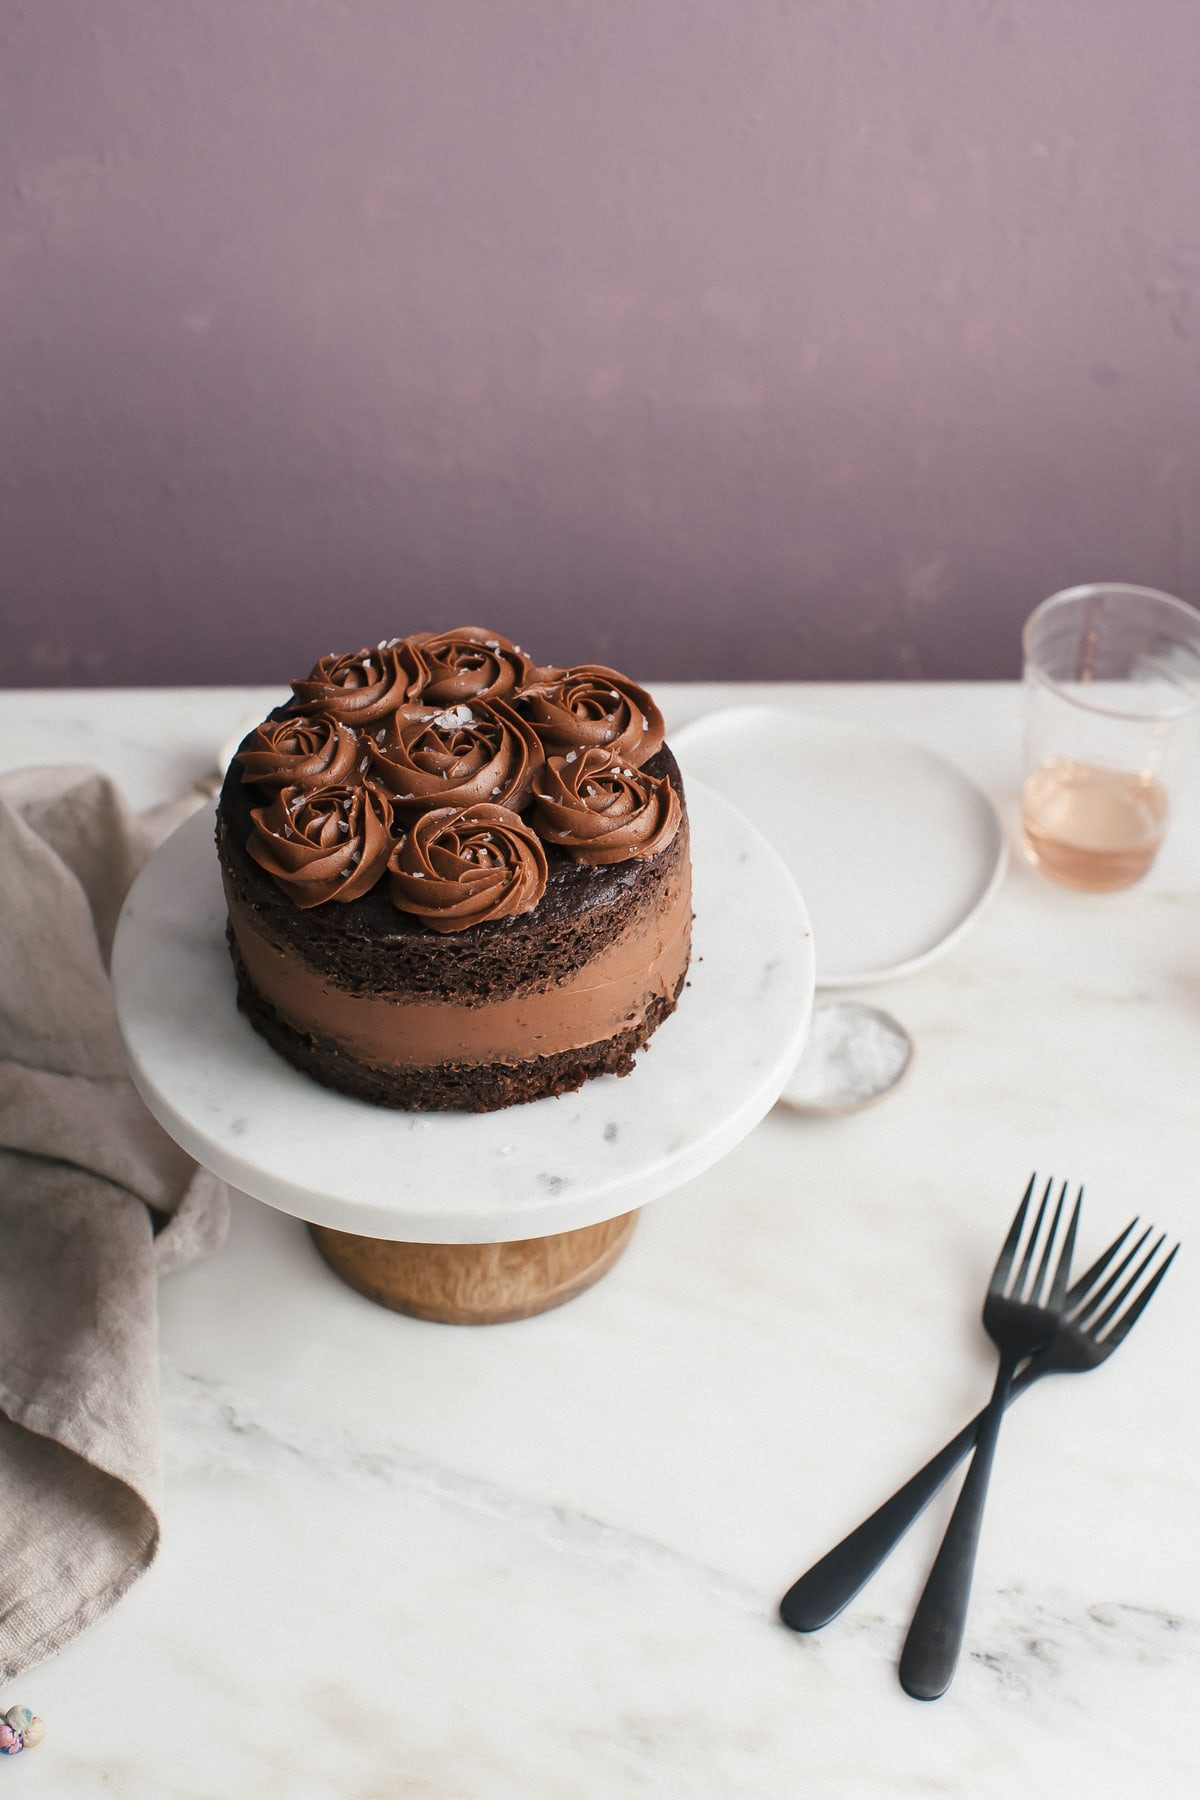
(215, 1426)
(1030, 1635)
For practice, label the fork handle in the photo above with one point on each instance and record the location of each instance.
(930, 1653)
(822, 1591)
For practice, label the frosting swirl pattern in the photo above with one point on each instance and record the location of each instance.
(460, 724)
(482, 753)
(599, 810)
(469, 663)
(591, 707)
(364, 685)
(460, 866)
(299, 752)
(326, 843)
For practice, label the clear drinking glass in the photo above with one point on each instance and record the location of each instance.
(1112, 687)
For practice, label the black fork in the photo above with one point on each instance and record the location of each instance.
(1020, 1325)
(832, 1582)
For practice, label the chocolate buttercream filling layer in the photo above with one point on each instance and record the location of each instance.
(606, 996)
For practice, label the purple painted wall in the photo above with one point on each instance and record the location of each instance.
(757, 337)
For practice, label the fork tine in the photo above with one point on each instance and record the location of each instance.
(1131, 1316)
(1115, 1305)
(1058, 1290)
(1078, 1289)
(1018, 1285)
(1044, 1266)
(1008, 1250)
(1092, 1301)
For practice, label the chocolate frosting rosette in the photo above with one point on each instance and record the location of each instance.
(600, 810)
(469, 663)
(364, 685)
(476, 753)
(460, 866)
(327, 843)
(591, 707)
(299, 752)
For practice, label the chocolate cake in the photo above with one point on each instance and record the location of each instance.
(456, 879)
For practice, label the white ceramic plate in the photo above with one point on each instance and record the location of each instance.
(893, 848)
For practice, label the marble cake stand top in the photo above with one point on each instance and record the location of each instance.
(708, 1076)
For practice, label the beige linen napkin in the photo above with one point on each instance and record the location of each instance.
(95, 1203)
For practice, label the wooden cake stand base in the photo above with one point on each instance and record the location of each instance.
(475, 1284)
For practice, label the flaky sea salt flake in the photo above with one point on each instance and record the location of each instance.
(454, 718)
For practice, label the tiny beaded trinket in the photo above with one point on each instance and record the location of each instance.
(19, 1730)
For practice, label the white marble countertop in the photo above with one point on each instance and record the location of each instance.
(543, 1559)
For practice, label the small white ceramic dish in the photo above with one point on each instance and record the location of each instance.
(853, 1056)
(710, 1073)
(893, 848)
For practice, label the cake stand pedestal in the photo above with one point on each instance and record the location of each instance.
(463, 1217)
(476, 1284)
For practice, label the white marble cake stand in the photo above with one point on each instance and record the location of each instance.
(462, 1216)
